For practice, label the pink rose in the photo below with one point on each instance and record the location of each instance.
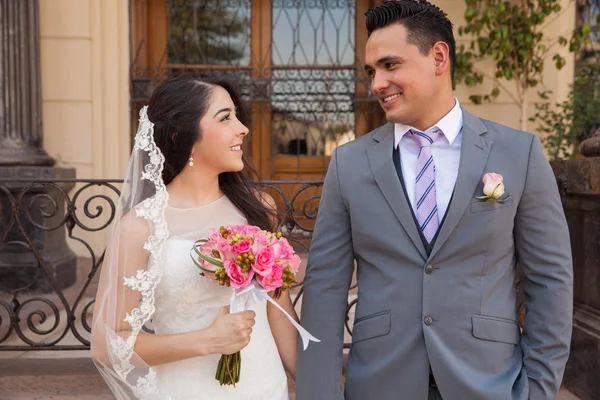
(211, 277)
(493, 186)
(295, 262)
(223, 246)
(244, 230)
(215, 237)
(254, 229)
(282, 249)
(264, 261)
(207, 249)
(273, 280)
(237, 278)
(232, 229)
(261, 239)
(241, 247)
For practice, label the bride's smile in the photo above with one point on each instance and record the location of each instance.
(219, 147)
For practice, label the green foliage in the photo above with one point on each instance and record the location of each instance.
(574, 119)
(557, 126)
(510, 33)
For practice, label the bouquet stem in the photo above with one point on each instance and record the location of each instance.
(228, 370)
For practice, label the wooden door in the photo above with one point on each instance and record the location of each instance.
(298, 63)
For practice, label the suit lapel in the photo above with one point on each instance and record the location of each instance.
(384, 171)
(474, 153)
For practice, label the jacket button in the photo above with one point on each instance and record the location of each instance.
(428, 321)
(429, 269)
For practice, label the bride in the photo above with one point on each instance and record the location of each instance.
(186, 176)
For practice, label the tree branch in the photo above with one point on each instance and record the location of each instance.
(515, 52)
(564, 9)
(500, 85)
(553, 42)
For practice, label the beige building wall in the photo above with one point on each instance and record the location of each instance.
(85, 92)
(85, 81)
(503, 109)
(85, 86)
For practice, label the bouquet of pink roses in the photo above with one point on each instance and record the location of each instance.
(254, 262)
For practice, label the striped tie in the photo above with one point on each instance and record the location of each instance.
(427, 211)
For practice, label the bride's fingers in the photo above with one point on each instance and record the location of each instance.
(224, 310)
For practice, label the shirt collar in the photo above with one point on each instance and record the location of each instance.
(451, 124)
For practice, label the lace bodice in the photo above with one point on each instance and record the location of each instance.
(186, 301)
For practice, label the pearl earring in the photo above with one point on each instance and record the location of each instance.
(191, 163)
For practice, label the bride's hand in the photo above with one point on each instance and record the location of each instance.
(231, 332)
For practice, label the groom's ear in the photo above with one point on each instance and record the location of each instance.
(441, 57)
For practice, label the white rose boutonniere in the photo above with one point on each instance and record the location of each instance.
(493, 187)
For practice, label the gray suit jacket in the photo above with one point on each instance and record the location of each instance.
(453, 309)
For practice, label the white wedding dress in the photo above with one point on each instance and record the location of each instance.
(186, 301)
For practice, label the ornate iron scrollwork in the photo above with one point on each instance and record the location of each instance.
(47, 322)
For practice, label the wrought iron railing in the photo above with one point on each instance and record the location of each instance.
(39, 310)
(43, 313)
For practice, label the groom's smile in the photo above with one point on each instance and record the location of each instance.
(389, 100)
(405, 80)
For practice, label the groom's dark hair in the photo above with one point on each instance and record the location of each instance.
(424, 22)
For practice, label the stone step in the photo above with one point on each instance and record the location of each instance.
(56, 379)
(71, 387)
(76, 379)
(39, 378)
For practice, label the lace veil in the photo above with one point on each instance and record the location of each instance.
(131, 271)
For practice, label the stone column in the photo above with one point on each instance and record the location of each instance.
(579, 182)
(20, 104)
(25, 229)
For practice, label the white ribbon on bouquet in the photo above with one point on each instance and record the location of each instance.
(243, 299)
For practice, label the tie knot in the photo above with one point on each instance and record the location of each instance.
(424, 139)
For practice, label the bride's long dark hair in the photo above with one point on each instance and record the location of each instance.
(176, 108)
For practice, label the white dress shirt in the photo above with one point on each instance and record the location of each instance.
(446, 157)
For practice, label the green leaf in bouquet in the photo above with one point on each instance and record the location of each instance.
(204, 257)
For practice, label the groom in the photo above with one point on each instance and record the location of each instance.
(436, 261)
